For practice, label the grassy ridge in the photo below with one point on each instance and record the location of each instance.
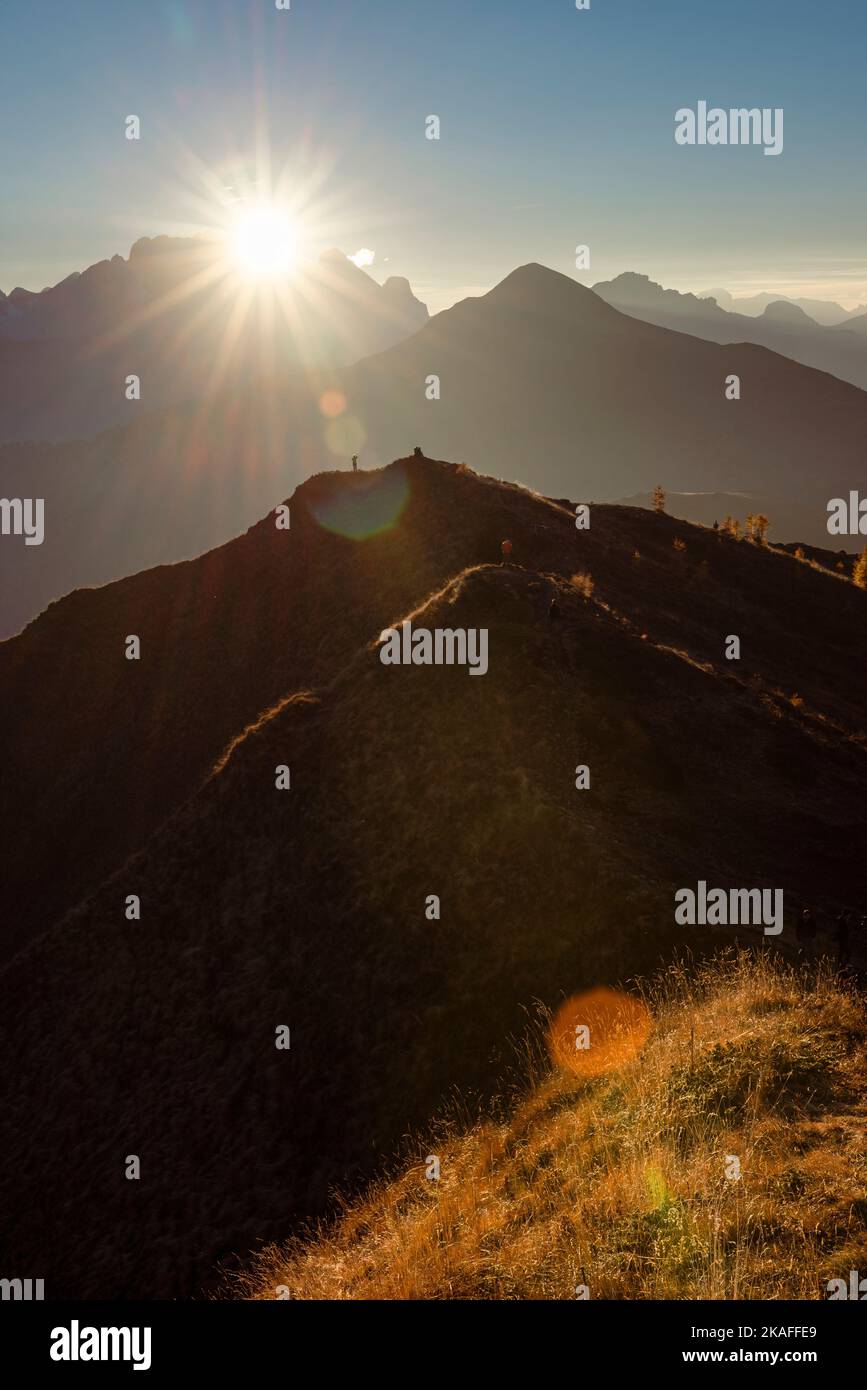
(620, 1183)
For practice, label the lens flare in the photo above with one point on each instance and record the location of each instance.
(597, 1032)
(371, 505)
(345, 436)
(332, 403)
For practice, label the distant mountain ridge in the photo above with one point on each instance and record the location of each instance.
(102, 299)
(177, 314)
(823, 311)
(782, 325)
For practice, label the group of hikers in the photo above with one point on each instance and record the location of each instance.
(807, 932)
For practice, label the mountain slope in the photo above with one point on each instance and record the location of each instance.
(225, 636)
(307, 908)
(857, 324)
(560, 387)
(622, 1184)
(791, 517)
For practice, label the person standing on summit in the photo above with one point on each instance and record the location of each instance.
(506, 551)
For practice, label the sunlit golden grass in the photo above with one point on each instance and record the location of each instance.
(620, 1183)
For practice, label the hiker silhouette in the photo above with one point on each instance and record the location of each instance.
(843, 923)
(355, 463)
(805, 933)
(505, 551)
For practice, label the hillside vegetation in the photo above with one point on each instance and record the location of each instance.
(619, 1184)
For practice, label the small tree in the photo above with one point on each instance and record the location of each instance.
(658, 499)
(756, 525)
(859, 574)
(731, 526)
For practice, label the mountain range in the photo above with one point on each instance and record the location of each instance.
(783, 325)
(176, 315)
(539, 380)
(824, 311)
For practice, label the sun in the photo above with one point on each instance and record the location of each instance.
(265, 241)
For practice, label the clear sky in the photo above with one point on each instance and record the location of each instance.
(557, 128)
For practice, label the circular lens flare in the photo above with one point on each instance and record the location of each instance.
(332, 403)
(598, 1032)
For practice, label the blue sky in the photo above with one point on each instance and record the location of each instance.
(557, 129)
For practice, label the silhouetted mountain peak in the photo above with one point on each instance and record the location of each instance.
(17, 297)
(158, 245)
(784, 311)
(397, 293)
(174, 290)
(632, 291)
(535, 287)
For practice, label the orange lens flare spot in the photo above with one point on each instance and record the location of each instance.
(332, 404)
(598, 1031)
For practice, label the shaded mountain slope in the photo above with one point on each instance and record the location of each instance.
(567, 393)
(857, 324)
(540, 380)
(306, 907)
(120, 744)
(841, 561)
(222, 637)
(621, 1183)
